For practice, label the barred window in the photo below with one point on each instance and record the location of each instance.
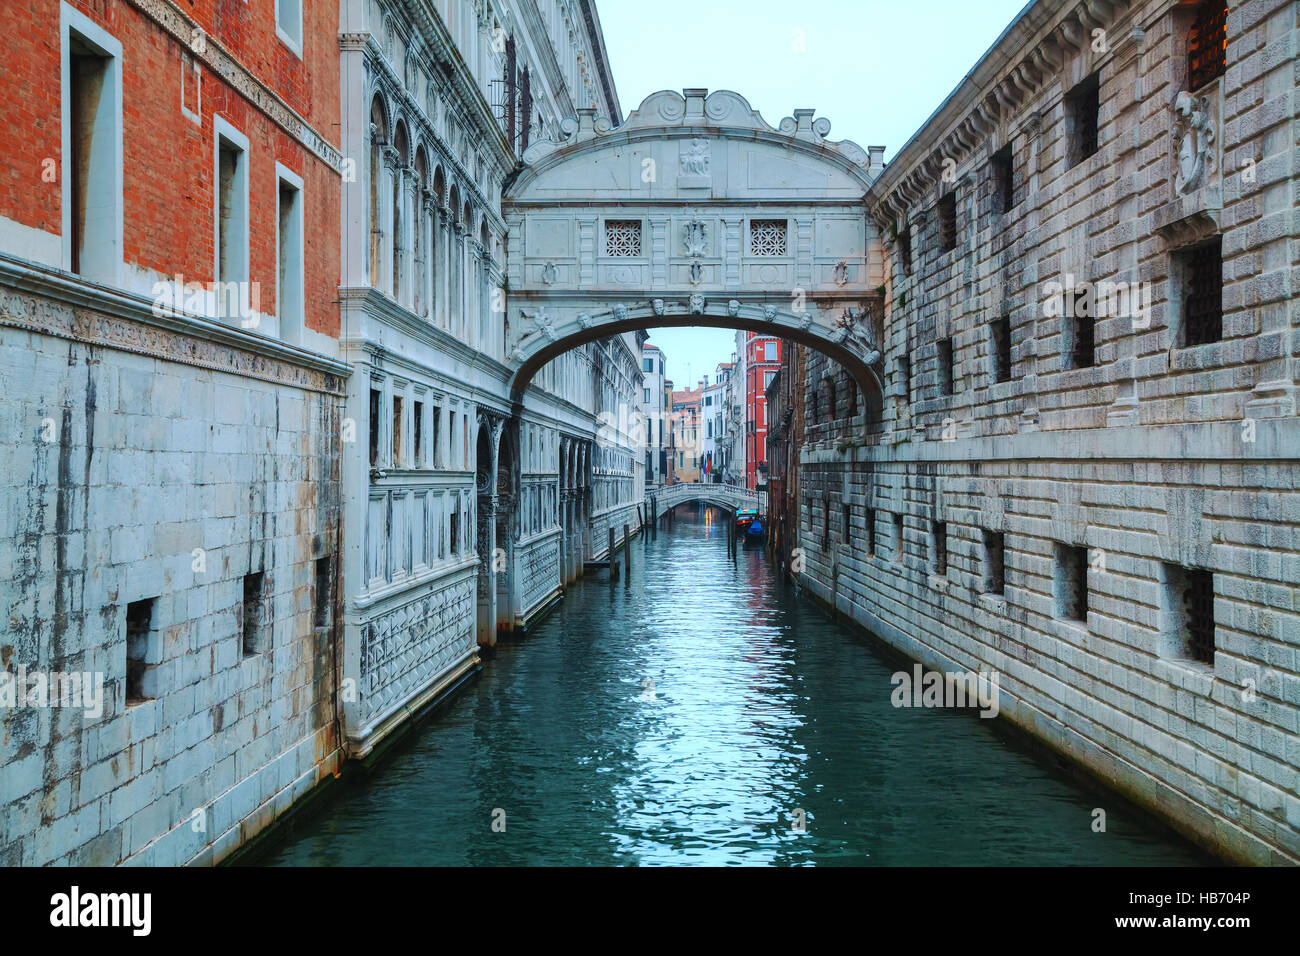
(1207, 44)
(1000, 335)
(623, 237)
(767, 237)
(1083, 104)
(948, 222)
(1201, 271)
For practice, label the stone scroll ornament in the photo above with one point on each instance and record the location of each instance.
(1195, 133)
(853, 330)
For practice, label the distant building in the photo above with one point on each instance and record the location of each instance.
(762, 360)
(654, 405)
(686, 434)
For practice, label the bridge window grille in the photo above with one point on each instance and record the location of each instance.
(1000, 340)
(623, 238)
(1083, 105)
(948, 222)
(1191, 600)
(1207, 44)
(767, 237)
(994, 569)
(1201, 269)
(940, 534)
(1071, 583)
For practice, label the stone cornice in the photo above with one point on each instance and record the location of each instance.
(68, 307)
(1028, 55)
(184, 31)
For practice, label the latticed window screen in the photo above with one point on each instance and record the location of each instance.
(1203, 296)
(1207, 44)
(767, 237)
(623, 237)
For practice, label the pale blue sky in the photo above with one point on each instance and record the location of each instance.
(875, 68)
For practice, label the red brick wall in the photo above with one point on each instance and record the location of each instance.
(168, 175)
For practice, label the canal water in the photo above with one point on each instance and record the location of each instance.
(701, 712)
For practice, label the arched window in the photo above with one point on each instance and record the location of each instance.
(436, 247)
(1207, 44)
(378, 136)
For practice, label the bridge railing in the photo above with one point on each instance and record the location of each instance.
(734, 495)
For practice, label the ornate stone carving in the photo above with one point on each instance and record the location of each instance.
(697, 304)
(658, 306)
(1195, 135)
(733, 307)
(620, 313)
(696, 238)
(694, 159)
(543, 324)
(550, 274)
(853, 329)
(584, 320)
(769, 313)
(841, 272)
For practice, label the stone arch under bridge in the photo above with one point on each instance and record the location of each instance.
(695, 212)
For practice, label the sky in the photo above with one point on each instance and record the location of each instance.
(876, 69)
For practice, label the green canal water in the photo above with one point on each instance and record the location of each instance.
(696, 714)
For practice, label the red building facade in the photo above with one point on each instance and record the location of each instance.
(762, 361)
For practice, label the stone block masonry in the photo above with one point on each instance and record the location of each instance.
(1100, 505)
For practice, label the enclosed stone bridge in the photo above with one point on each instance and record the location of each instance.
(694, 212)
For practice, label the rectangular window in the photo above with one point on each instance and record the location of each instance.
(252, 612)
(323, 593)
(92, 190)
(1070, 583)
(1082, 106)
(847, 518)
(397, 460)
(767, 237)
(770, 352)
(1081, 329)
(940, 534)
(948, 222)
(288, 23)
(905, 250)
(232, 220)
(994, 572)
(1189, 603)
(905, 377)
(417, 435)
(898, 539)
(1000, 347)
(289, 292)
(1207, 44)
(623, 238)
(375, 398)
(869, 517)
(645, 396)
(1004, 186)
(437, 433)
(1199, 272)
(647, 365)
(143, 650)
(826, 523)
(945, 368)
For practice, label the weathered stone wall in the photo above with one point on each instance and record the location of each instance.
(1158, 457)
(142, 474)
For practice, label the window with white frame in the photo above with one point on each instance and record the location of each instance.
(288, 23)
(289, 291)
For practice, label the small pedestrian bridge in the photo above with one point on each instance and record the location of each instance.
(661, 499)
